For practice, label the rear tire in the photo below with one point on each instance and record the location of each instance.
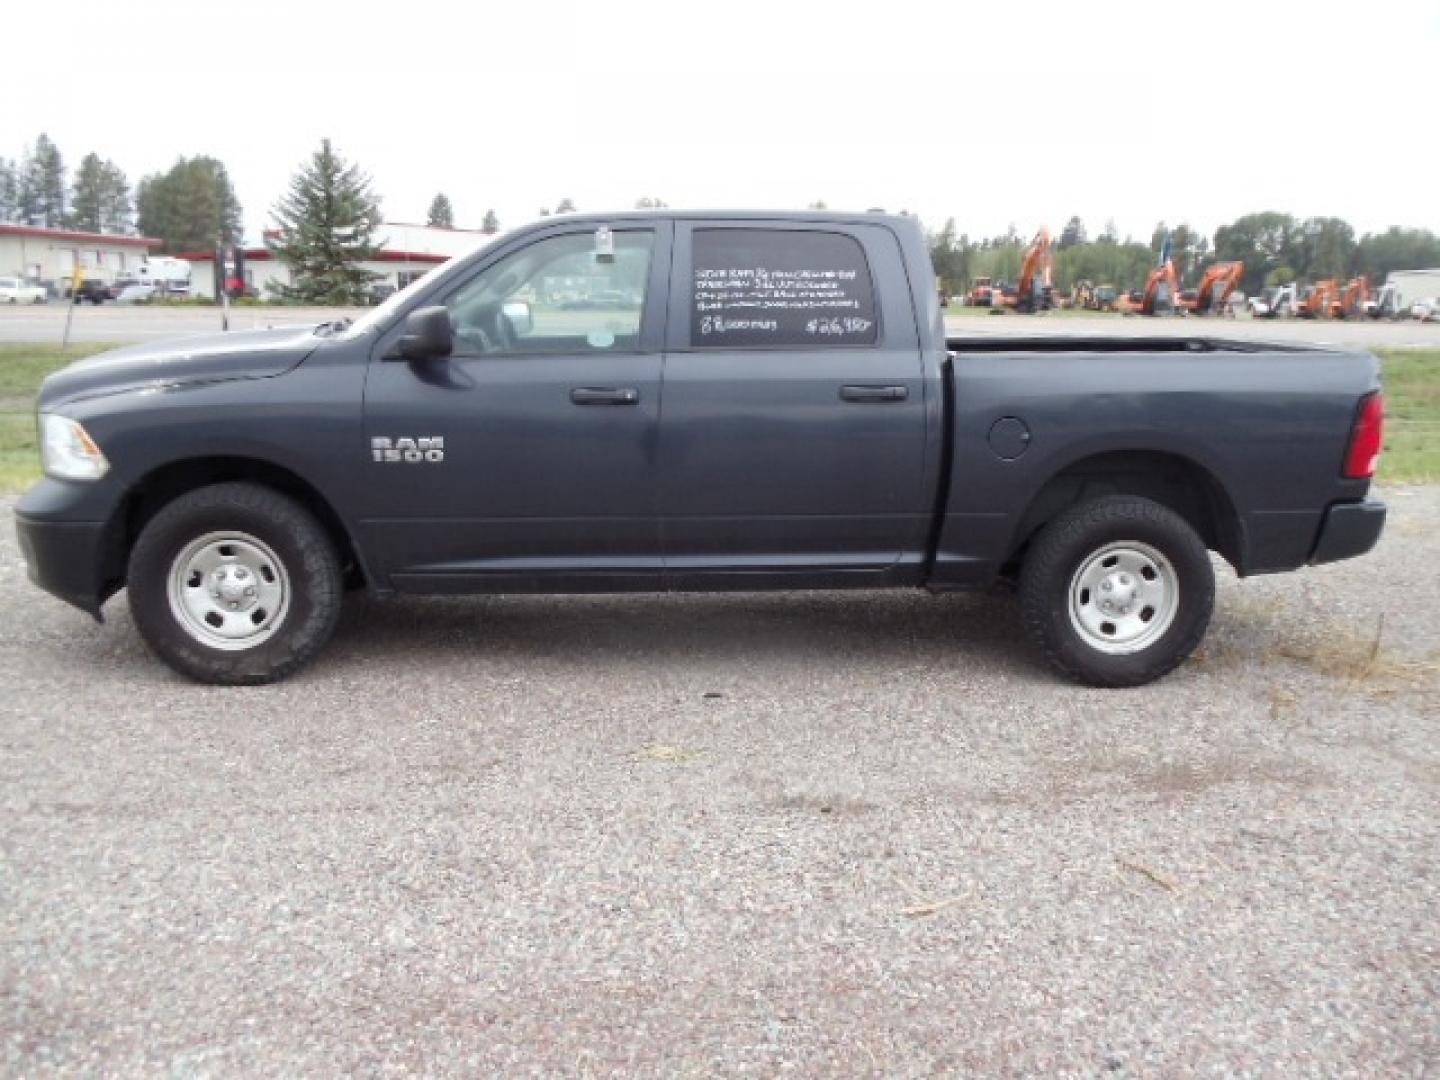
(1117, 591)
(235, 584)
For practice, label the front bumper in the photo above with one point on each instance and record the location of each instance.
(1349, 529)
(67, 542)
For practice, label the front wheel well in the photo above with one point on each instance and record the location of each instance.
(1176, 482)
(162, 486)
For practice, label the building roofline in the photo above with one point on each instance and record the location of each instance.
(262, 254)
(43, 233)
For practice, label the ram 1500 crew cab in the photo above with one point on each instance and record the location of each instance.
(684, 401)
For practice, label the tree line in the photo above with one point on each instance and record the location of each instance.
(190, 206)
(1276, 248)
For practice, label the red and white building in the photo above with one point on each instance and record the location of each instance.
(39, 254)
(406, 253)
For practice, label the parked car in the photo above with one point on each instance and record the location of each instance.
(1426, 310)
(91, 289)
(818, 431)
(134, 292)
(14, 290)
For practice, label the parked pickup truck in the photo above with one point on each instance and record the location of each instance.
(748, 401)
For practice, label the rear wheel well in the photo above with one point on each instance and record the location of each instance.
(160, 487)
(1168, 479)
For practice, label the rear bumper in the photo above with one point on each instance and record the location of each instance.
(1348, 530)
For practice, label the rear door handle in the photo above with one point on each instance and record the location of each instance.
(874, 393)
(605, 395)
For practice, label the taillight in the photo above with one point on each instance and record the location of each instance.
(1367, 435)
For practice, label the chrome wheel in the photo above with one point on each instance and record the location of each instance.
(1123, 597)
(229, 591)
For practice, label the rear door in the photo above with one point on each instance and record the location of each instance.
(792, 436)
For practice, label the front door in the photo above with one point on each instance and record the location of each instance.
(793, 434)
(528, 458)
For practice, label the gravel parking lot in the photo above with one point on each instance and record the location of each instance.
(835, 834)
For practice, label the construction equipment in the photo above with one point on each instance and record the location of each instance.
(1385, 304)
(1217, 285)
(1091, 297)
(984, 292)
(1278, 300)
(1161, 295)
(1034, 292)
(1318, 301)
(1353, 298)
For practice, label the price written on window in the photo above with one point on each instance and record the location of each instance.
(838, 327)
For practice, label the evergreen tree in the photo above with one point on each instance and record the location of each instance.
(100, 198)
(42, 185)
(649, 203)
(818, 204)
(327, 223)
(491, 225)
(567, 206)
(1073, 233)
(442, 214)
(9, 191)
(192, 207)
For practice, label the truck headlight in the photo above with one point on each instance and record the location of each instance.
(67, 451)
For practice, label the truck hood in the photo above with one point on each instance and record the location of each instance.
(248, 354)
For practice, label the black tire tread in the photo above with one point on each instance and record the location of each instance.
(317, 580)
(1050, 559)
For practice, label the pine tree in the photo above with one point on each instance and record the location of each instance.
(567, 206)
(327, 223)
(192, 207)
(9, 191)
(649, 203)
(491, 225)
(42, 185)
(442, 214)
(1073, 234)
(100, 198)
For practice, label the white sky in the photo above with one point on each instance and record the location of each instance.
(1023, 112)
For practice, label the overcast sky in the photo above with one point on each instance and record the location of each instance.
(994, 114)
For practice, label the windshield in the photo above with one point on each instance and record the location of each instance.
(385, 312)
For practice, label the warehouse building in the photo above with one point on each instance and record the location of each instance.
(406, 253)
(51, 255)
(1412, 286)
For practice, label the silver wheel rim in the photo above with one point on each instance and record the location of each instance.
(1123, 598)
(229, 591)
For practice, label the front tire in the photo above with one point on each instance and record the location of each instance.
(235, 584)
(1117, 591)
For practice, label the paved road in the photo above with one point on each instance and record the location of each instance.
(851, 834)
(124, 324)
(130, 323)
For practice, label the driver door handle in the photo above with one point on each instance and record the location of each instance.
(873, 393)
(605, 395)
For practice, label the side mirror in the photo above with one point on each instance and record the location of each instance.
(428, 334)
(517, 313)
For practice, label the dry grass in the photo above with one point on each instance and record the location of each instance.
(1342, 652)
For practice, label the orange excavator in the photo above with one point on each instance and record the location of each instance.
(1354, 300)
(1216, 286)
(1034, 291)
(1162, 291)
(1320, 302)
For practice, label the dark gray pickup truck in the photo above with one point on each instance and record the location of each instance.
(681, 401)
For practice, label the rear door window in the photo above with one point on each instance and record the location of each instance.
(780, 288)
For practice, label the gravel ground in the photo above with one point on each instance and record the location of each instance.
(830, 834)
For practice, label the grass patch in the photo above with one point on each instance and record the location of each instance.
(22, 368)
(1412, 420)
